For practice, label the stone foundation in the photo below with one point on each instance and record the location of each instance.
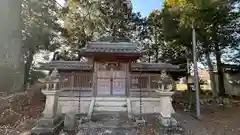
(48, 126)
(71, 104)
(149, 106)
(160, 106)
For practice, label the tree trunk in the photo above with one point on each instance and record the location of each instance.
(149, 54)
(149, 58)
(156, 45)
(11, 54)
(188, 86)
(221, 86)
(156, 55)
(28, 66)
(212, 77)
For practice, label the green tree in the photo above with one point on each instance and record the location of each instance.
(100, 18)
(97, 18)
(82, 22)
(215, 23)
(117, 17)
(155, 22)
(177, 48)
(40, 30)
(220, 30)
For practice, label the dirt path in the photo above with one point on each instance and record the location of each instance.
(219, 121)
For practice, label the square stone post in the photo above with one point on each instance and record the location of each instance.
(166, 108)
(51, 104)
(51, 122)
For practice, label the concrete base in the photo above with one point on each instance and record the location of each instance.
(168, 121)
(170, 130)
(48, 126)
(140, 122)
(169, 126)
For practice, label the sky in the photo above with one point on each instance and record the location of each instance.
(146, 6)
(143, 6)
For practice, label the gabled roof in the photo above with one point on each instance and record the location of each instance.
(111, 45)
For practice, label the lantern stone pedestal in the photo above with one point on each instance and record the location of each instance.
(51, 122)
(168, 125)
(166, 108)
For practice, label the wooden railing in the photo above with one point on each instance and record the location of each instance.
(82, 83)
(77, 82)
(147, 84)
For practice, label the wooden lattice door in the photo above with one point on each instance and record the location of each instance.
(119, 83)
(111, 81)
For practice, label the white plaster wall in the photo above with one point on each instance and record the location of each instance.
(147, 107)
(71, 104)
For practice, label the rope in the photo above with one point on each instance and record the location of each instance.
(140, 101)
(79, 101)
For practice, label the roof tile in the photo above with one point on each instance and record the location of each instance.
(76, 65)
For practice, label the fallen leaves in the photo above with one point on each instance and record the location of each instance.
(19, 112)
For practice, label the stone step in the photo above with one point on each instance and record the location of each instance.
(107, 99)
(111, 114)
(108, 131)
(111, 103)
(109, 109)
(110, 126)
(108, 123)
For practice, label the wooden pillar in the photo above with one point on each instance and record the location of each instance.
(72, 80)
(128, 79)
(94, 85)
(149, 82)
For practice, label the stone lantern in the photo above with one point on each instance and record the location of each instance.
(51, 121)
(165, 93)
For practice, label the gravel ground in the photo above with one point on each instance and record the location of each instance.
(214, 121)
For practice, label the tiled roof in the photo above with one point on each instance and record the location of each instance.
(154, 67)
(66, 65)
(113, 39)
(107, 47)
(76, 65)
(111, 45)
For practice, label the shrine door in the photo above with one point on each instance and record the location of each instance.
(111, 81)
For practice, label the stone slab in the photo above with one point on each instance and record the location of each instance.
(110, 108)
(107, 131)
(47, 126)
(69, 121)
